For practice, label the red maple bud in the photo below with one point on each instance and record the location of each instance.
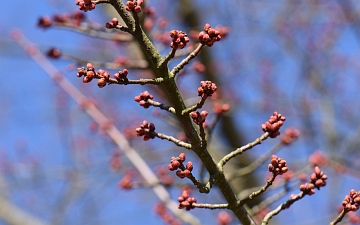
(318, 159)
(44, 22)
(101, 82)
(146, 130)
(77, 18)
(224, 218)
(90, 74)
(206, 89)
(179, 39)
(143, 98)
(186, 173)
(182, 157)
(198, 118)
(278, 165)
(209, 36)
(189, 166)
(61, 18)
(318, 178)
(89, 66)
(53, 53)
(273, 125)
(185, 201)
(134, 6)
(86, 79)
(115, 21)
(180, 174)
(85, 5)
(290, 135)
(126, 182)
(175, 164)
(220, 108)
(351, 202)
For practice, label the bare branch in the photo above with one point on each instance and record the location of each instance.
(244, 148)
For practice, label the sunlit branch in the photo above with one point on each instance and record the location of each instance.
(262, 190)
(244, 148)
(174, 140)
(185, 61)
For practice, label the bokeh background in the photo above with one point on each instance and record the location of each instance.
(296, 57)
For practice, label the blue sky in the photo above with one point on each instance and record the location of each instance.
(35, 137)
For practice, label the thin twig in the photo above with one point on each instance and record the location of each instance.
(142, 81)
(259, 161)
(131, 64)
(174, 140)
(210, 206)
(101, 1)
(339, 217)
(281, 207)
(161, 106)
(168, 57)
(262, 190)
(244, 148)
(185, 61)
(202, 188)
(97, 32)
(198, 105)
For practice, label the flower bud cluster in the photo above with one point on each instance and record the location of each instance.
(115, 161)
(273, 125)
(206, 89)
(186, 201)
(126, 182)
(142, 99)
(44, 22)
(146, 130)
(177, 163)
(121, 76)
(74, 19)
(179, 39)
(134, 6)
(290, 135)
(278, 165)
(89, 74)
(209, 36)
(162, 212)
(199, 67)
(53, 53)
(224, 218)
(220, 108)
(351, 202)
(353, 218)
(317, 180)
(164, 176)
(85, 5)
(318, 159)
(114, 23)
(199, 118)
